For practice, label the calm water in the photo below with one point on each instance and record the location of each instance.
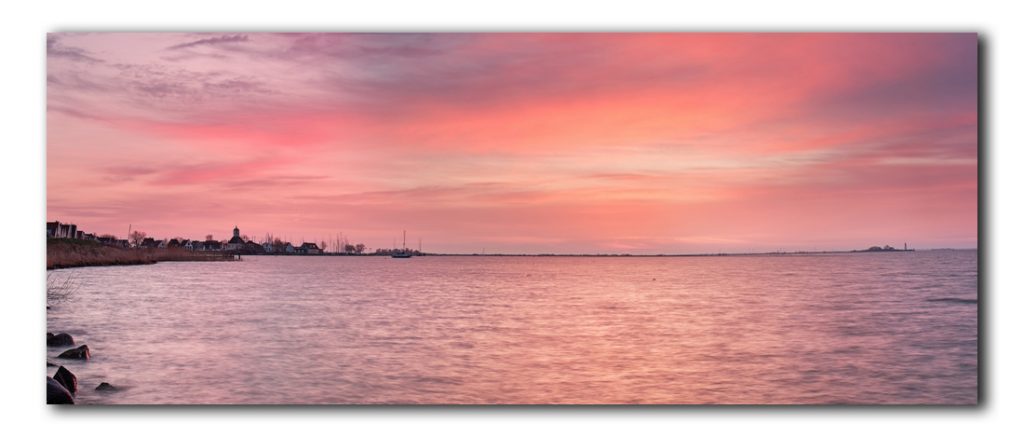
(850, 328)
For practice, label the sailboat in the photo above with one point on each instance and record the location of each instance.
(405, 252)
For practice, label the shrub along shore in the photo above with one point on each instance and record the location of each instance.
(64, 253)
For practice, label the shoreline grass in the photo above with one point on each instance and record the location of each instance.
(66, 253)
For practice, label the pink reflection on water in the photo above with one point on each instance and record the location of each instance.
(858, 328)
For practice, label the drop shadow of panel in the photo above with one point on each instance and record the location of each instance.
(983, 221)
(511, 411)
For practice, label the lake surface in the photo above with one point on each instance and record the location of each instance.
(847, 328)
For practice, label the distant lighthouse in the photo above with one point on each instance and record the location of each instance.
(234, 233)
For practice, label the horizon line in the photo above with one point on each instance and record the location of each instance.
(795, 252)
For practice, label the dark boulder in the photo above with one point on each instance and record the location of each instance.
(67, 379)
(49, 364)
(56, 393)
(105, 387)
(62, 339)
(78, 353)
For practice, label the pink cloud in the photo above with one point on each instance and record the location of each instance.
(528, 142)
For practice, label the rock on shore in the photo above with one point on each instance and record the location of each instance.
(105, 387)
(78, 353)
(67, 379)
(62, 339)
(56, 393)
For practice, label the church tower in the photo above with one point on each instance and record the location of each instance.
(236, 242)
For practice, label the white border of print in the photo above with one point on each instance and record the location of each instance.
(23, 177)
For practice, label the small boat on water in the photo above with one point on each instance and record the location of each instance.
(405, 252)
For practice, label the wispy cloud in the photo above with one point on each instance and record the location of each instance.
(54, 49)
(128, 172)
(73, 112)
(216, 40)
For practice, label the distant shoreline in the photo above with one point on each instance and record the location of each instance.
(62, 254)
(68, 253)
(624, 255)
(675, 255)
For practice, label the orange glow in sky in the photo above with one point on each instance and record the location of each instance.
(520, 143)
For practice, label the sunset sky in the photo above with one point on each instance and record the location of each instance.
(519, 143)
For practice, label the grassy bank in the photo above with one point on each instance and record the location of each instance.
(63, 253)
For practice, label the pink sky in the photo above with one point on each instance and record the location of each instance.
(519, 143)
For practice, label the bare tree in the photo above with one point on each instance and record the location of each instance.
(136, 238)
